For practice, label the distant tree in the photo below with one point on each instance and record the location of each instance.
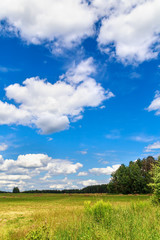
(16, 190)
(134, 178)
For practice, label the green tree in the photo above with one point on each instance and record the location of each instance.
(156, 182)
(134, 178)
(16, 190)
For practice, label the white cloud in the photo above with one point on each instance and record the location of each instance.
(3, 147)
(129, 29)
(106, 171)
(155, 104)
(13, 177)
(58, 167)
(64, 184)
(114, 7)
(88, 182)
(132, 28)
(39, 171)
(152, 147)
(30, 165)
(63, 23)
(51, 107)
(80, 174)
(32, 160)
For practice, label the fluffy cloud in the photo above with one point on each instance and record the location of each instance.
(64, 184)
(106, 171)
(51, 107)
(152, 147)
(23, 171)
(88, 182)
(132, 29)
(63, 22)
(30, 163)
(155, 104)
(32, 160)
(39, 171)
(13, 177)
(129, 29)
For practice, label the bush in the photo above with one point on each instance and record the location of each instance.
(100, 211)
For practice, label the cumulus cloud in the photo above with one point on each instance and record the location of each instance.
(131, 30)
(152, 147)
(26, 167)
(13, 177)
(30, 162)
(106, 171)
(51, 107)
(63, 23)
(39, 171)
(88, 182)
(64, 184)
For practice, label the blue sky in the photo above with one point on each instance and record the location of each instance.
(79, 90)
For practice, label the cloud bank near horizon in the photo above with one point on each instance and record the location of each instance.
(33, 171)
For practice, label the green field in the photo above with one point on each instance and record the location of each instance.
(63, 216)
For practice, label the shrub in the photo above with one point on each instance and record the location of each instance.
(100, 211)
(156, 183)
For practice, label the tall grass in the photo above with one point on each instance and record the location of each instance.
(102, 220)
(71, 217)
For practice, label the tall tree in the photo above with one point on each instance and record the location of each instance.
(133, 178)
(16, 190)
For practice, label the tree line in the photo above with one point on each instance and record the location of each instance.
(131, 179)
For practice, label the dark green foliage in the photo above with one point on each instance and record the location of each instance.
(90, 189)
(155, 185)
(16, 190)
(95, 189)
(134, 178)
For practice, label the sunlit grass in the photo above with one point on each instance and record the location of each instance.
(62, 216)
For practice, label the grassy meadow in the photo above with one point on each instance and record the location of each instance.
(78, 216)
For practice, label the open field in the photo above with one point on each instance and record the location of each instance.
(63, 216)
